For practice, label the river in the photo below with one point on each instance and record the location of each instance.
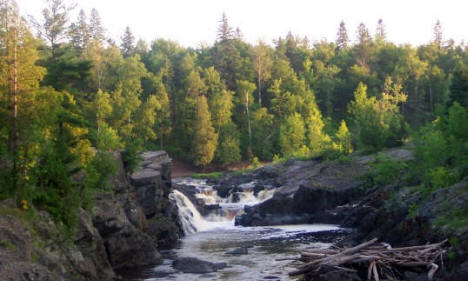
(260, 253)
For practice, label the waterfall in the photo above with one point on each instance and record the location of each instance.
(223, 217)
(192, 221)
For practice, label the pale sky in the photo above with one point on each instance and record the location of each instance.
(191, 22)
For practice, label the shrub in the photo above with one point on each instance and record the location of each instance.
(386, 170)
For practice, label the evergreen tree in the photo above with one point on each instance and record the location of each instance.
(225, 31)
(205, 138)
(364, 45)
(342, 39)
(227, 58)
(19, 87)
(96, 30)
(55, 23)
(128, 43)
(438, 37)
(80, 32)
(380, 34)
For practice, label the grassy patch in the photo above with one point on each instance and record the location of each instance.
(243, 171)
(214, 175)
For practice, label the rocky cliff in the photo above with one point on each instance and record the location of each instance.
(400, 213)
(125, 229)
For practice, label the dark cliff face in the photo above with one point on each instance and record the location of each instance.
(307, 192)
(126, 228)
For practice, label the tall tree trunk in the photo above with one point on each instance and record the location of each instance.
(259, 90)
(248, 119)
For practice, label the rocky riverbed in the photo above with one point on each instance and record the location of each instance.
(340, 193)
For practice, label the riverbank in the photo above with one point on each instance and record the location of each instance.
(126, 228)
(350, 193)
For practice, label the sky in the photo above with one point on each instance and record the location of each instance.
(194, 22)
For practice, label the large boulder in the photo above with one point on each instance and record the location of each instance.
(126, 245)
(130, 248)
(309, 191)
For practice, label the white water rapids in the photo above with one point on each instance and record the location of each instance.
(224, 217)
(212, 237)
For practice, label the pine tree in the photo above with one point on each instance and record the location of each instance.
(19, 84)
(225, 31)
(128, 43)
(342, 39)
(205, 138)
(96, 29)
(55, 23)
(438, 37)
(80, 32)
(364, 46)
(380, 34)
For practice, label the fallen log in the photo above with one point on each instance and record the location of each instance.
(380, 259)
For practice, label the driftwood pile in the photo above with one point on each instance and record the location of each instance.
(381, 261)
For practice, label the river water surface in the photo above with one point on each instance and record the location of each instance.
(213, 236)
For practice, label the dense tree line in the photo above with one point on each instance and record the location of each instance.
(69, 94)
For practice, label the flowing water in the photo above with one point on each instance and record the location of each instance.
(212, 236)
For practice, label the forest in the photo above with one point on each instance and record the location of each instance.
(70, 95)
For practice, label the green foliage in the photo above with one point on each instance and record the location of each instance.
(255, 163)
(386, 170)
(377, 122)
(441, 147)
(440, 177)
(213, 175)
(343, 139)
(131, 155)
(292, 136)
(224, 103)
(205, 138)
(107, 138)
(228, 150)
(98, 172)
(56, 192)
